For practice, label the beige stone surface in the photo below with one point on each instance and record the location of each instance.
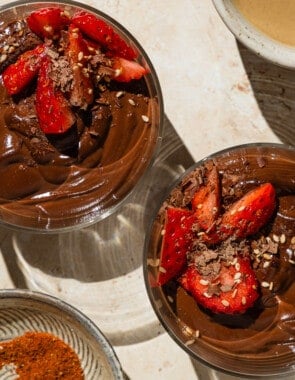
(216, 94)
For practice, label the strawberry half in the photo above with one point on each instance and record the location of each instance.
(250, 213)
(127, 70)
(101, 32)
(176, 242)
(18, 75)
(206, 201)
(47, 22)
(232, 291)
(53, 110)
(81, 94)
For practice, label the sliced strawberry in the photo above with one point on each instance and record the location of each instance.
(206, 201)
(127, 70)
(100, 31)
(19, 74)
(92, 46)
(53, 110)
(176, 241)
(250, 213)
(47, 22)
(232, 291)
(82, 89)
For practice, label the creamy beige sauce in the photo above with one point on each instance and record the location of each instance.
(276, 18)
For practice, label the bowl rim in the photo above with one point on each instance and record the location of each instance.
(258, 42)
(96, 215)
(153, 302)
(75, 314)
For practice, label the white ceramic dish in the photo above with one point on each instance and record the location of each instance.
(24, 311)
(254, 39)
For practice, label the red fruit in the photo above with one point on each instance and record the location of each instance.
(100, 31)
(81, 94)
(19, 74)
(232, 291)
(53, 110)
(176, 241)
(206, 201)
(127, 70)
(47, 22)
(92, 46)
(250, 213)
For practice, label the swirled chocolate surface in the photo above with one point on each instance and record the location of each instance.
(66, 179)
(63, 180)
(261, 341)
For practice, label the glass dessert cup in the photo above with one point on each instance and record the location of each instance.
(261, 341)
(90, 189)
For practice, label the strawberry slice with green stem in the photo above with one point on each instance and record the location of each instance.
(232, 291)
(17, 76)
(98, 30)
(81, 94)
(53, 110)
(47, 22)
(175, 244)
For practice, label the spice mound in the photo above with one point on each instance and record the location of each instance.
(78, 122)
(39, 355)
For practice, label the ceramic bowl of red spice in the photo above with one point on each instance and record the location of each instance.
(81, 115)
(219, 261)
(43, 337)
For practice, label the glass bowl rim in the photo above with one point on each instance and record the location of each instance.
(97, 217)
(276, 145)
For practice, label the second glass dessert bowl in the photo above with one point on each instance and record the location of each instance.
(82, 126)
(220, 261)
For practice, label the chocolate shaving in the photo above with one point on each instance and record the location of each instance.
(208, 260)
(15, 39)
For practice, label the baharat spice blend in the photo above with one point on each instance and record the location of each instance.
(39, 355)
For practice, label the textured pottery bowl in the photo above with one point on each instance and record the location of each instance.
(268, 48)
(24, 311)
(260, 342)
(90, 192)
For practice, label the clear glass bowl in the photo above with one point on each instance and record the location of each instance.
(24, 311)
(87, 194)
(259, 343)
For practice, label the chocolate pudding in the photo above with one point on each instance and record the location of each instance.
(260, 341)
(58, 180)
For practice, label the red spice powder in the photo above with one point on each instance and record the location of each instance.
(40, 356)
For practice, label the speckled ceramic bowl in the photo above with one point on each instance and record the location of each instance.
(24, 311)
(255, 40)
(260, 342)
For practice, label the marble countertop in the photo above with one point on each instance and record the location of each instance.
(216, 94)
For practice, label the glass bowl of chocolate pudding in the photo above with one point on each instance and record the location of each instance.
(65, 171)
(257, 340)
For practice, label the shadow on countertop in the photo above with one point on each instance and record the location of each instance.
(274, 89)
(98, 269)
